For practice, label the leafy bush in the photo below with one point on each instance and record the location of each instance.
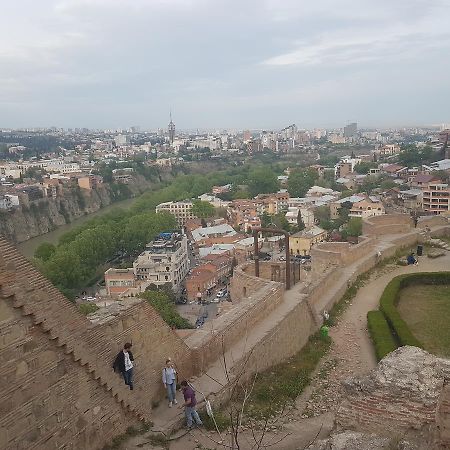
(390, 296)
(382, 338)
(164, 305)
(388, 303)
(87, 308)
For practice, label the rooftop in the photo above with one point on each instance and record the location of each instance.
(165, 243)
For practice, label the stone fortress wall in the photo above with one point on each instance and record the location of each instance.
(408, 395)
(58, 386)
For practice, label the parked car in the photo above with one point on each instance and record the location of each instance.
(221, 293)
(282, 258)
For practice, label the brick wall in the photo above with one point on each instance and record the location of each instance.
(234, 325)
(57, 385)
(387, 224)
(48, 400)
(244, 284)
(387, 412)
(284, 340)
(408, 394)
(443, 419)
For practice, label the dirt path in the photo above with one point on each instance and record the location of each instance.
(351, 354)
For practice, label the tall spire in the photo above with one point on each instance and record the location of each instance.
(171, 129)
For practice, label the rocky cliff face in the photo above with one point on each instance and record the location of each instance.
(45, 215)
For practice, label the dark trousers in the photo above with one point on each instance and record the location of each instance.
(128, 377)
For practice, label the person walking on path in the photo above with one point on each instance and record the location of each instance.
(124, 364)
(169, 379)
(189, 405)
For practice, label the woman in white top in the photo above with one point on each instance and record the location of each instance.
(169, 379)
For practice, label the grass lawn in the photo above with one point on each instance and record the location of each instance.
(426, 309)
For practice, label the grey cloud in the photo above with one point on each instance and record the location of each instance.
(103, 63)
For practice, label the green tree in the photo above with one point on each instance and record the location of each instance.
(262, 180)
(300, 181)
(411, 155)
(240, 193)
(387, 184)
(87, 308)
(202, 209)
(162, 303)
(300, 223)
(369, 184)
(354, 227)
(266, 219)
(64, 269)
(281, 222)
(45, 251)
(364, 166)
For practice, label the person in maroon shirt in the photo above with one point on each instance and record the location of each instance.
(189, 405)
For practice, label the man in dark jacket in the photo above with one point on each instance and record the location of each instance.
(124, 364)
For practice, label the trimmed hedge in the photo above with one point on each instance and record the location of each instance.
(380, 334)
(390, 296)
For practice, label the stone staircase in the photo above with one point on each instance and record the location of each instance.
(26, 289)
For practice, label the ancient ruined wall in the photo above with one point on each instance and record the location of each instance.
(431, 221)
(207, 348)
(50, 401)
(387, 224)
(243, 284)
(406, 395)
(443, 418)
(276, 271)
(58, 388)
(153, 342)
(284, 340)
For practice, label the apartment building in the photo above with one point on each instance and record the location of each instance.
(8, 201)
(367, 208)
(306, 214)
(181, 210)
(272, 203)
(240, 210)
(202, 280)
(89, 182)
(223, 264)
(436, 198)
(164, 261)
(300, 243)
(423, 180)
(118, 281)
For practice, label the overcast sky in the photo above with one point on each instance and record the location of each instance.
(224, 63)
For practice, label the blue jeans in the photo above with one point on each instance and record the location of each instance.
(171, 391)
(128, 377)
(192, 414)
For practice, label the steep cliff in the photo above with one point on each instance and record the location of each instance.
(42, 216)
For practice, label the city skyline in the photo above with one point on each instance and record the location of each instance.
(250, 65)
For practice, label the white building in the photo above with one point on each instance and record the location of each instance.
(222, 230)
(181, 210)
(215, 201)
(307, 216)
(367, 208)
(165, 261)
(8, 201)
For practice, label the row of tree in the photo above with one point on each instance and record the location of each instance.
(83, 251)
(75, 260)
